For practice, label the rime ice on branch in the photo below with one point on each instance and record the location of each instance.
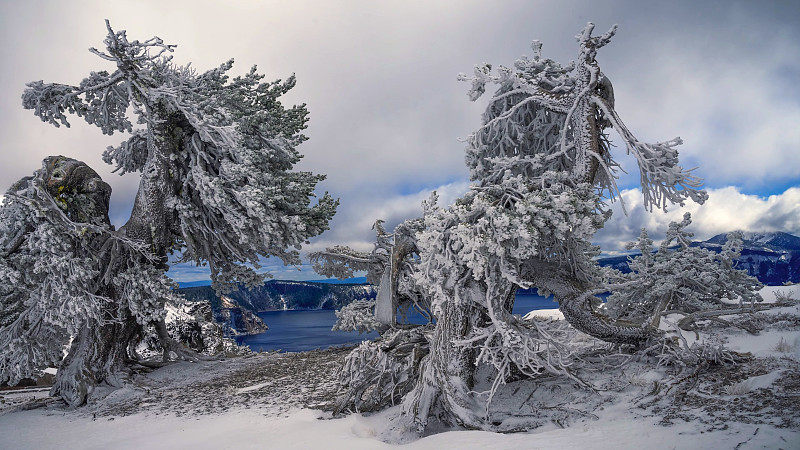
(215, 157)
(679, 279)
(548, 117)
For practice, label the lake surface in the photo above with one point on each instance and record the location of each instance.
(297, 331)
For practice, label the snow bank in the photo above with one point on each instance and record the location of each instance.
(768, 293)
(551, 314)
(766, 343)
(304, 429)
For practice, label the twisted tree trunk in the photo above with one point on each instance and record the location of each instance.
(99, 354)
(448, 371)
(154, 219)
(575, 302)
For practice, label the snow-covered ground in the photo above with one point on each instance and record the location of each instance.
(279, 401)
(303, 429)
(548, 314)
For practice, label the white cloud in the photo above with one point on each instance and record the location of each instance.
(728, 90)
(727, 209)
(353, 223)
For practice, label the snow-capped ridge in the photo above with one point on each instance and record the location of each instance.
(771, 240)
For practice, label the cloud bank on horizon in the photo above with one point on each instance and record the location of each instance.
(387, 112)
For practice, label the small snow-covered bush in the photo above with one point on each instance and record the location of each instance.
(783, 346)
(679, 278)
(357, 316)
(784, 297)
(379, 373)
(740, 388)
(713, 351)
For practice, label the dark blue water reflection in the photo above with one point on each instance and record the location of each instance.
(297, 331)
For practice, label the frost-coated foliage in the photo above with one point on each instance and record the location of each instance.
(492, 232)
(215, 156)
(545, 116)
(225, 145)
(48, 278)
(680, 278)
(357, 316)
(146, 290)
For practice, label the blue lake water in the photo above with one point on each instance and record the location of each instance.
(297, 331)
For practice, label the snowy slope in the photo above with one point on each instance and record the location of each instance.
(303, 429)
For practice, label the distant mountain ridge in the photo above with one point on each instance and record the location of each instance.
(282, 294)
(772, 257)
(356, 280)
(775, 241)
(238, 307)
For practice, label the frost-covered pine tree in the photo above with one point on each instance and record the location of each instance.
(215, 157)
(542, 171)
(389, 265)
(541, 167)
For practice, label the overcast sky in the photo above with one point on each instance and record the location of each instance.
(387, 113)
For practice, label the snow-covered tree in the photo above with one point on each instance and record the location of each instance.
(47, 271)
(541, 166)
(215, 157)
(542, 170)
(389, 265)
(678, 278)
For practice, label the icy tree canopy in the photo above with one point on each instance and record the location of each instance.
(214, 155)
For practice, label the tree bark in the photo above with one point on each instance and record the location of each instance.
(575, 302)
(447, 373)
(153, 219)
(100, 351)
(98, 354)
